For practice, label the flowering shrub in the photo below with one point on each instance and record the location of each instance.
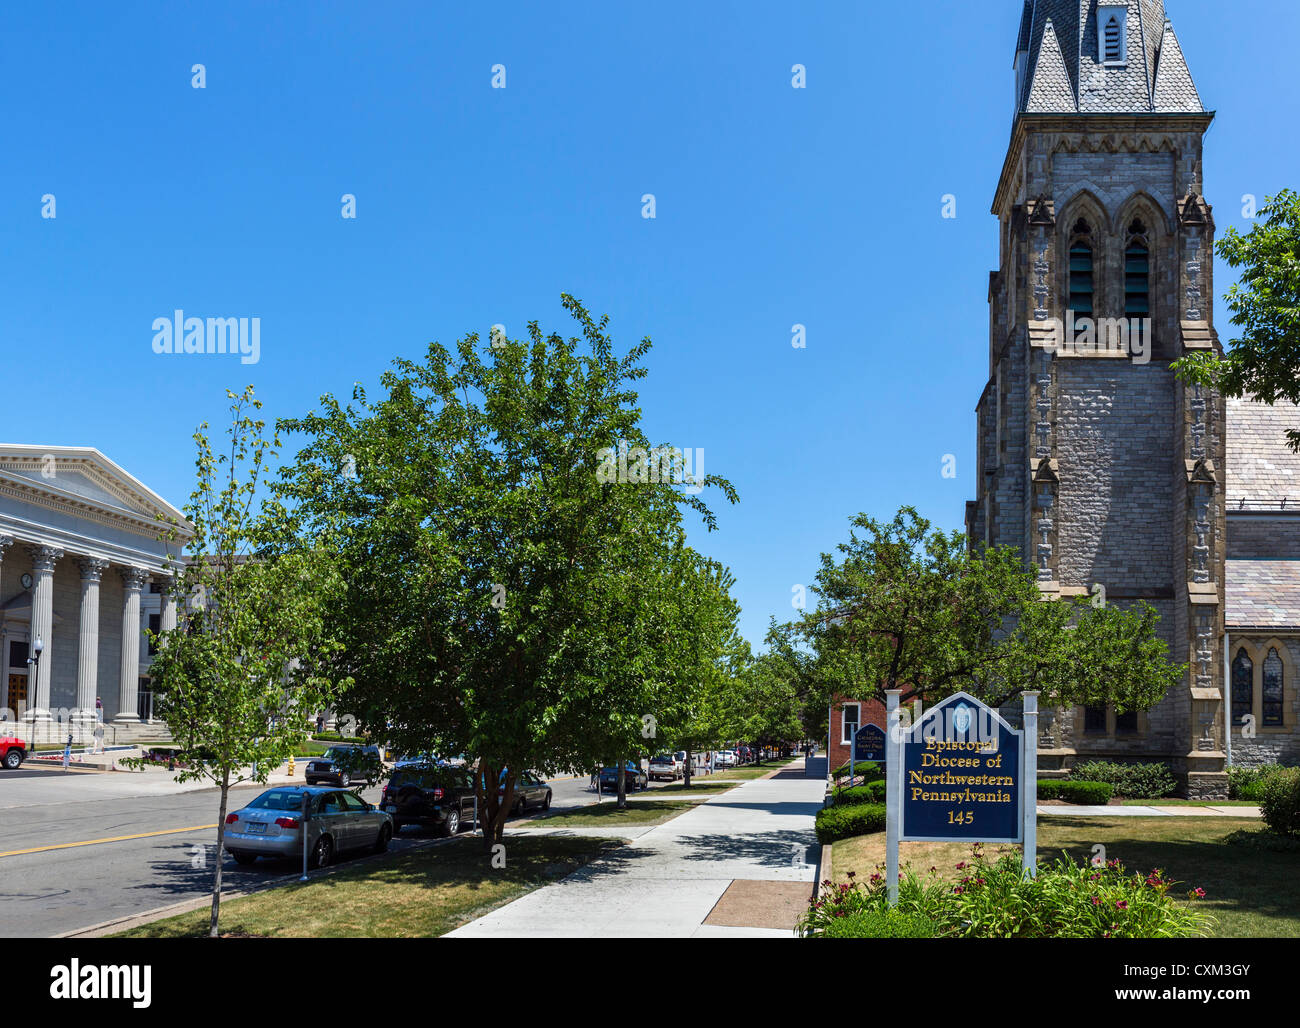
(996, 901)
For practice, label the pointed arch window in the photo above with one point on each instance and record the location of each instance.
(1081, 261)
(1273, 692)
(1243, 687)
(1137, 272)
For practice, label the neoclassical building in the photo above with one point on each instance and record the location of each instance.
(1094, 460)
(83, 569)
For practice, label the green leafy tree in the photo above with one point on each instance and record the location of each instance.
(1264, 361)
(238, 677)
(904, 607)
(514, 553)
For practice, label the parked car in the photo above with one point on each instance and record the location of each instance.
(271, 826)
(343, 765)
(664, 766)
(530, 791)
(12, 752)
(632, 773)
(427, 794)
(725, 758)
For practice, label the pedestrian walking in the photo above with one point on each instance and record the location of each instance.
(67, 752)
(99, 709)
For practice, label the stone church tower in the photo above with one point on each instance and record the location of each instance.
(1094, 461)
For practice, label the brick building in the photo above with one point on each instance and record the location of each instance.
(846, 717)
(1093, 459)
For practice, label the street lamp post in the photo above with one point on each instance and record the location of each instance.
(34, 662)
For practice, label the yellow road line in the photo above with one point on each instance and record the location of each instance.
(96, 842)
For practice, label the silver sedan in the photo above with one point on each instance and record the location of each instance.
(272, 825)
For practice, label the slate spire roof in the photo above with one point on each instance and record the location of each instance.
(1060, 71)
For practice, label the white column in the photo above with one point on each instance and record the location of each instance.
(5, 542)
(167, 615)
(92, 571)
(43, 560)
(129, 682)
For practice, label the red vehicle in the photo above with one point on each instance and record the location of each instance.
(12, 752)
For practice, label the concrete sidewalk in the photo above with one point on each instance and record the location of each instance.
(740, 864)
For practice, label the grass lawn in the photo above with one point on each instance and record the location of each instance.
(419, 893)
(607, 814)
(1249, 889)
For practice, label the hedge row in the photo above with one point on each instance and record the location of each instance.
(1090, 793)
(846, 821)
(872, 792)
(867, 769)
(1132, 781)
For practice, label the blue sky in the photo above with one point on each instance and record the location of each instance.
(476, 206)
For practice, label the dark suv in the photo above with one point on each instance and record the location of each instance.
(425, 794)
(343, 765)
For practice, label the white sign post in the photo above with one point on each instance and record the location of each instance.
(1029, 782)
(893, 790)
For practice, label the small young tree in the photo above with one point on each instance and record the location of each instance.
(238, 677)
(912, 609)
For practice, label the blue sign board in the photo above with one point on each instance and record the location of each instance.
(962, 775)
(869, 744)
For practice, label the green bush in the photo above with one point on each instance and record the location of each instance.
(1247, 783)
(866, 769)
(1280, 802)
(879, 924)
(337, 737)
(1132, 781)
(1089, 793)
(872, 792)
(997, 901)
(844, 822)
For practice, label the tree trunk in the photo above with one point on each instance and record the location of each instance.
(221, 846)
(506, 803)
(622, 785)
(688, 768)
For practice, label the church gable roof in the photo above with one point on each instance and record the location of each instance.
(1262, 594)
(1261, 469)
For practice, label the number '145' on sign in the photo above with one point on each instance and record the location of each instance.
(961, 817)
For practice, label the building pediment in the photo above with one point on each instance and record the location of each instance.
(82, 480)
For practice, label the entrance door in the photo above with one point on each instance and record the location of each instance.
(17, 695)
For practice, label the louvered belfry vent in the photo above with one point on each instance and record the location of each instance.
(1114, 41)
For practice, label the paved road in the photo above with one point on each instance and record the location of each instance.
(80, 848)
